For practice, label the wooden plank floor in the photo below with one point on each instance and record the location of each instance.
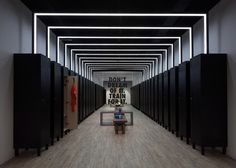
(145, 145)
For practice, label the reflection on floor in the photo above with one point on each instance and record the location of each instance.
(144, 145)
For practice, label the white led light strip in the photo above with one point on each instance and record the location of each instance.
(117, 58)
(110, 66)
(116, 37)
(115, 44)
(153, 50)
(151, 65)
(123, 15)
(113, 37)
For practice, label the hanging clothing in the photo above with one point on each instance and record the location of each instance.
(73, 97)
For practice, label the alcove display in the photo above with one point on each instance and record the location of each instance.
(70, 102)
(32, 103)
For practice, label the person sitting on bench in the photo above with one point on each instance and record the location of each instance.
(119, 121)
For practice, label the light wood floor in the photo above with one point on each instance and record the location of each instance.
(145, 145)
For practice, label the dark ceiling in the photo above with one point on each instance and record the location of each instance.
(116, 6)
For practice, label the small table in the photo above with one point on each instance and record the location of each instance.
(119, 123)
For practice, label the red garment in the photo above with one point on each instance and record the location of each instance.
(73, 97)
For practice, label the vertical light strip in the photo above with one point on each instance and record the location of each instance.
(58, 51)
(35, 33)
(48, 43)
(191, 44)
(172, 55)
(65, 53)
(205, 34)
(180, 53)
(71, 62)
(65, 63)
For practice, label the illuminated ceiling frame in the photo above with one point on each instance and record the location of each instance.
(110, 37)
(116, 28)
(123, 15)
(151, 50)
(81, 72)
(118, 58)
(114, 61)
(131, 69)
(122, 44)
(88, 75)
(146, 68)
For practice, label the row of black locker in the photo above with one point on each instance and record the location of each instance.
(39, 100)
(189, 100)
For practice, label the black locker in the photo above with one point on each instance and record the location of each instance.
(166, 98)
(156, 98)
(137, 96)
(90, 97)
(104, 96)
(98, 96)
(64, 72)
(161, 101)
(174, 109)
(80, 99)
(83, 98)
(208, 95)
(56, 101)
(151, 90)
(141, 97)
(86, 97)
(148, 98)
(184, 101)
(31, 101)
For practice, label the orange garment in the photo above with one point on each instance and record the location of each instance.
(73, 97)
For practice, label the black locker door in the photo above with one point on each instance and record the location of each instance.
(151, 97)
(161, 116)
(84, 98)
(31, 107)
(156, 98)
(174, 110)
(209, 100)
(45, 99)
(184, 100)
(195, 89)
(148, 97)
(144, 97)
(166, 99)
(138, 97)
(56, 100)
(64, 72)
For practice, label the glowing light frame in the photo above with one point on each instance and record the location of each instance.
(81, 72)
(151, 66)
(110, 37)
(123, 15)
(88, 75)
(117, 58)
(122, 44)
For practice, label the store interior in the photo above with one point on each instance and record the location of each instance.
(117, 84)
